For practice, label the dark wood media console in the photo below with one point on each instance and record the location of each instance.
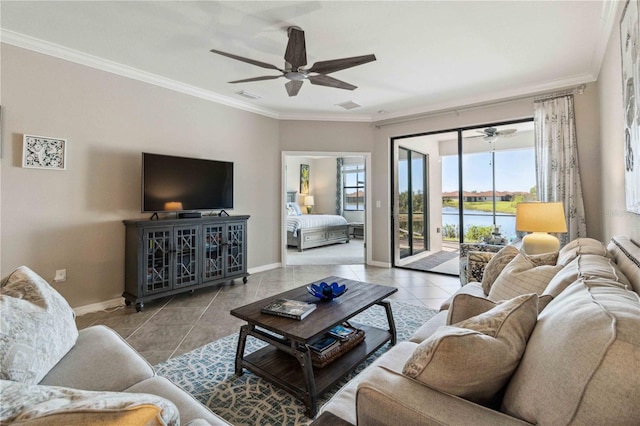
(171, 256)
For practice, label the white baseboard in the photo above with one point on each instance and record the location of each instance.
(264, 268)
(379, 264)
(100, 306)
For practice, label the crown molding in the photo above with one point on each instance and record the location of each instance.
(71, 55)
(610, 11)
(363, 118)
(485, 101)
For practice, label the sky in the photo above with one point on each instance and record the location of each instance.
(515, 171)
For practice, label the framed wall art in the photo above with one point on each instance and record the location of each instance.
(41, 152)
(304, 178)
(630, 52)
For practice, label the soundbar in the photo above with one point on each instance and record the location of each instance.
(189, 215)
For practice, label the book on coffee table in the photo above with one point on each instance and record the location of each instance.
(289, 308)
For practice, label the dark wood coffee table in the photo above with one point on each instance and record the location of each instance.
(286, 361)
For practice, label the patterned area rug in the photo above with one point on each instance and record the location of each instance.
(208, 374)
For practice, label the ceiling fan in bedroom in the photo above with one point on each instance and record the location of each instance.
(491, 134)
(295, 57)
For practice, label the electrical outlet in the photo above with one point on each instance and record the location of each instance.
(61, 275)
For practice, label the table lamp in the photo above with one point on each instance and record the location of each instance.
(308, 201)
(540, 218)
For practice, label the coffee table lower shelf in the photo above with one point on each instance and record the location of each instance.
(283, 369)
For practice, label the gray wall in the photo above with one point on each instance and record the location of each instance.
(73, 219)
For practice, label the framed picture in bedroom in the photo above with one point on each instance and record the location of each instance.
(42, 152)
(630, 53)
(304, 178)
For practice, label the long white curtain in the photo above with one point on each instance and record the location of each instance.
(557, 169)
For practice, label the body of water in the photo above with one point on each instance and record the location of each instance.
(507, 223)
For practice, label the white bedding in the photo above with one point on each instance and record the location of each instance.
(313, 221)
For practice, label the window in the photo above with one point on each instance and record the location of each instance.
(353, 187)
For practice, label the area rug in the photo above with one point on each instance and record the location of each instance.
(208, 374)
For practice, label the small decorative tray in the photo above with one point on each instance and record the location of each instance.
(326, 291)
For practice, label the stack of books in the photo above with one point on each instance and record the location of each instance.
(289, 308)
(333, 344)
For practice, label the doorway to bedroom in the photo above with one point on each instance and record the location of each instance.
(324, 208)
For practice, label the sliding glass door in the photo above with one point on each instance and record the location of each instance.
(411, 218)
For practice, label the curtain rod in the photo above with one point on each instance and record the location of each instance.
(577, 90)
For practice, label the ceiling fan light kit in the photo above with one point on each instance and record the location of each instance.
(295, 57)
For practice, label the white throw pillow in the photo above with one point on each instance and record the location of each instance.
(524, 274)
(475, 358)
(38, 327)
(52, 405)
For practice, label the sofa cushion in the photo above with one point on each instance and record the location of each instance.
(580, 366)
(38, 327)
(342, 404)
(475, 358)
(496, 265)
(580, 246)
(473, 288)
(113, 364)
(45, 405)
(586, 266)
(524, 274)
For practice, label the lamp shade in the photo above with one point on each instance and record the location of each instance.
(540, 217)
(308, 200)
(173, 206)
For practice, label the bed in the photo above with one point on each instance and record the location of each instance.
(313, 230)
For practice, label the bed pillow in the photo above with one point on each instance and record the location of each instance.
(475, 358)
(38, 327)
(45, 405)
(293, 209)
(525, 274)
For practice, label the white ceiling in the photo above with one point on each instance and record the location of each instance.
(430, 55)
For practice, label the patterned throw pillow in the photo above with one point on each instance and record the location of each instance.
(38, 327)
(496, 265)
(525, 274)
(35, 404)
(475, 358)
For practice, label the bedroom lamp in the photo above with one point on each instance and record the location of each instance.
(540, 218)
(308, 201)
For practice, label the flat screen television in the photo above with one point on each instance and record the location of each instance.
(179, 184)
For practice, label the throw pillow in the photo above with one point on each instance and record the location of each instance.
(45, 405)
(475, 358)
(464, 306)
(524, 274)
(496, 265)
(476, 264)
(296, 209)
(38, 327)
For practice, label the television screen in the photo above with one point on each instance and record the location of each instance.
(184, 184)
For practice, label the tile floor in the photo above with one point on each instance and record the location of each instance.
(175, 325)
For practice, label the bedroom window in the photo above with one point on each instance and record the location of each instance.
(353, 187)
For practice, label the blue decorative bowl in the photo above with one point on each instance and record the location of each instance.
(326, 291)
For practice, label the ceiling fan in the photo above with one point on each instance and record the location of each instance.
(491, 134)
(295, 57)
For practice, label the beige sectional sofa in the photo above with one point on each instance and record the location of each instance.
(52, 374)
(576, 362)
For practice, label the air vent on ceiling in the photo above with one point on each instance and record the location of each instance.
(349, 105)
(248, 95)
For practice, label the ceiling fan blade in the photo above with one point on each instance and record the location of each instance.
(327, 67)
(296, 53)
(325, 80)
(293, 87)
(265, 77)
(247, 60)
(506, 132)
